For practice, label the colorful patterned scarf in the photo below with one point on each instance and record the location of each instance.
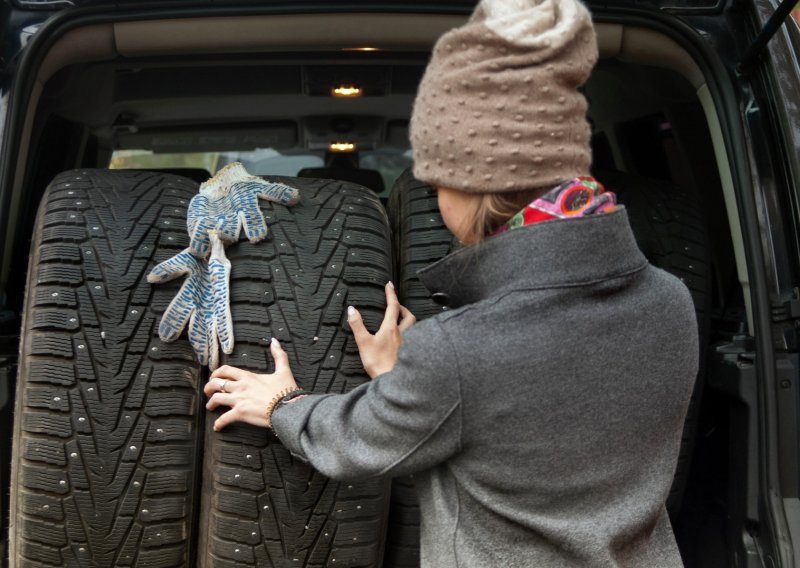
(577, 197)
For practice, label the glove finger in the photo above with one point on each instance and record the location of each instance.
(198, 222)
(177, 314)
(211, 341)
(220, 269)
(179, 265)
(198, 238)
(229, 227)
(213, 355)
(223, 319)
(279, 193)
(244, 204)
(198, 338)
(198, 209)
(225, 326)
(255, 227)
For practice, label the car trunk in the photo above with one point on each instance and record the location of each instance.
(665, 104)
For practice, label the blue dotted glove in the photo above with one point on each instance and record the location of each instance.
(228, 202)
(203, 301)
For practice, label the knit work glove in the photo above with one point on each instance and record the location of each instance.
(229, 201)
(203, 301)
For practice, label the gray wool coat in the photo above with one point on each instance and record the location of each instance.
(541, 414)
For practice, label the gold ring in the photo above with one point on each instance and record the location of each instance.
(222, 385)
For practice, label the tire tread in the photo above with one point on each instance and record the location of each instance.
(263, 507)
(96, 421)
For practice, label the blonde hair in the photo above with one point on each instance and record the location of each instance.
(495, 209)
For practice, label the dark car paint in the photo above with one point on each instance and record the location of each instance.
(760, 116)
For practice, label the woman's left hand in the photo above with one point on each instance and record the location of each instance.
(247, 394)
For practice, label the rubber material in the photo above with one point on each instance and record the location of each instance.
(105, 451)
(422, 238)
(261, 507)
(403, 531)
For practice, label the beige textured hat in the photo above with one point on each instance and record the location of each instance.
(498, 108)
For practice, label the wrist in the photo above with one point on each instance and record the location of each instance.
(377, 370)
(283, 397)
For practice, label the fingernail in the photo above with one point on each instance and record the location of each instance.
(275, 342)
(351, 311)
(391, 285)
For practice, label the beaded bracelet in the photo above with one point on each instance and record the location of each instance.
(285, 395)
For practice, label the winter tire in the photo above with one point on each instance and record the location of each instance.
(262, 507)
(421, 238)
(105, 454)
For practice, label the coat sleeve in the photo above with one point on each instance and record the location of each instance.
(403, 421)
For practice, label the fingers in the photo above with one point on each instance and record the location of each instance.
(279, 193)
(224, 328)
(227, 418)
(255, 227)
(229, 226)
(198, 223)
(245, 209)
(180, 264)
(394, 312)
(218, 249)
(176, 316)
(392, 306)
(360, 331)
(230, 373)
(407, 319)
(280, 356)
(213, 347)
(198, 239)
(224, 386)
(198, 338)
(220, 399)
(220, 269)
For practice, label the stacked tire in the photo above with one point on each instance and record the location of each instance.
(261, 507)
(114, 462)
(105, 454)
(421, 238)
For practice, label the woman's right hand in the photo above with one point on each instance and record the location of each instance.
(379, 352)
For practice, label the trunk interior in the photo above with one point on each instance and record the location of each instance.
(202, 92)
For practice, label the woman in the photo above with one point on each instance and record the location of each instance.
(543, 412)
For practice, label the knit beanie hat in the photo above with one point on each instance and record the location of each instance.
(498, 108)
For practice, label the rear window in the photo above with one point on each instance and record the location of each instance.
(146, 160)
(263, 161)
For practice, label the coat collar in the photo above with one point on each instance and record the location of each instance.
(561, 253)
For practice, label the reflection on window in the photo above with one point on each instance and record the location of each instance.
(390, 162)
(147, 160)
(266, 161)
